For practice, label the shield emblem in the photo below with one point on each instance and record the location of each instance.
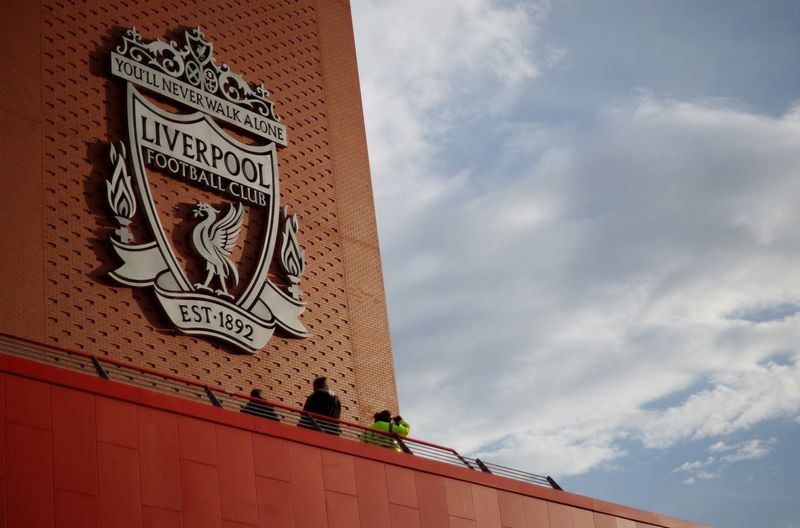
(213, 241)
(200, 50)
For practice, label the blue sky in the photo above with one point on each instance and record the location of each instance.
(588, 215)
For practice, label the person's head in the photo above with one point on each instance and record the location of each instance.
(255, 393)
(383, 416)
(321, 383)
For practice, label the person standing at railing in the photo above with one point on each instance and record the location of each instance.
(259, 407)
(386, 424)
(325, 402)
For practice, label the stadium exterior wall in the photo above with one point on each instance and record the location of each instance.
(82, 451)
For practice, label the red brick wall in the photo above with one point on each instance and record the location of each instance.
(80, 451)
(59, 109)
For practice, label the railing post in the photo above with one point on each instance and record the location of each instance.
(213, 397)
(462, 459)
(99, 368)
(553, 483)
(482, 466)
(313, 422)
(403, 445)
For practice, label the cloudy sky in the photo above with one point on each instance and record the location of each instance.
(590, 226)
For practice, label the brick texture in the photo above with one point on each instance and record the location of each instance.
(61, 108)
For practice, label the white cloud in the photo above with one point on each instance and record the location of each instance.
(426, 67)
(617, 295)
(737, 401)
(702, 475)
(720, 447)
(713, 467)
(750, 450)
(543, 306)
(693, 466)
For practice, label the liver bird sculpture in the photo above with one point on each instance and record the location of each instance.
(214, 240)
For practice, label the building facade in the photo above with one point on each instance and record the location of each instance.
(62, 109)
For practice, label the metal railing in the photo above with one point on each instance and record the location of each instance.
(166, 383)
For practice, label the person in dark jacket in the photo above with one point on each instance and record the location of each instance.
(259, 407)
(322, 401)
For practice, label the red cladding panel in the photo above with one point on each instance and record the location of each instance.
(342, 510)
(274, 502)
(403, 516)
(431, 500)
(487, 508)
(3, 427)
(74, 441)
(116, 422)
(459, 499)
(373, 500)
(308, 492)
(160, 518)
(460, 522)
(236, 479)
(316, 487)
(158, 459)
(197, 440)
(560, 515)
(74, 510)
(28, 402)
(401, 486)
(29, 496)
(512, 512)
(582, 518)
(536, 513)
(271, 457)
(3, 500)
(339, 472)
(200, 495)
(234, 524)
(602, 520)
(120, 498)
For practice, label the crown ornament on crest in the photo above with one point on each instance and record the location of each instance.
(189, 73)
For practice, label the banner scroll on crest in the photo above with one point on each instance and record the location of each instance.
(197, 313)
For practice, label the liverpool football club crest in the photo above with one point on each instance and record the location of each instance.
(194, 257)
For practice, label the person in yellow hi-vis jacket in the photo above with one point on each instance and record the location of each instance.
(386, 424)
